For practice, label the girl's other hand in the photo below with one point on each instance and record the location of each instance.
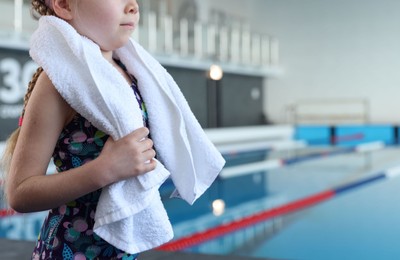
(130, 156)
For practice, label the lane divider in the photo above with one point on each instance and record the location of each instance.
(297, 205)
(277, 145)
(7, 213)
(271, 164)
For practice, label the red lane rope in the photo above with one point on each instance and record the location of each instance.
(7, 213)
(233, 226)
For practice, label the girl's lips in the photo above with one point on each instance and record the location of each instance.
(128, 25)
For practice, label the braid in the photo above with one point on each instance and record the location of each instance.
(40, 8)
(31, 85)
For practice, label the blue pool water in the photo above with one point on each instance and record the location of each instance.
(363, 224)
(360, 224)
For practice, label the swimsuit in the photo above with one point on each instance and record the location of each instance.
(67, 232)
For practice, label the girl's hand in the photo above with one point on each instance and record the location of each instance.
(130, 156)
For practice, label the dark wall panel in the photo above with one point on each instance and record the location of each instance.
(241, 100)
(16, 70)
(236, 100)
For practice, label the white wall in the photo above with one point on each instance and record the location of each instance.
(7, 17)
(334, 49)
(238, 10)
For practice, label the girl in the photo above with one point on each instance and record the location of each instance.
(51, 128)
(84, 109)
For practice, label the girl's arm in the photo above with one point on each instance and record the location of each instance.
(30, 189)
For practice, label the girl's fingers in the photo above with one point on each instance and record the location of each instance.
(149, 166)
(149, 154)
(140, 134)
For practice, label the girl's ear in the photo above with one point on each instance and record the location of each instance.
(62, 9)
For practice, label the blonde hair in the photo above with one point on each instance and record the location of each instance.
(40, 8)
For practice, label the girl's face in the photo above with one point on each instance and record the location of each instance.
(109, 23)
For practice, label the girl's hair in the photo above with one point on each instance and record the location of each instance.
(12, 140)
(39, 8)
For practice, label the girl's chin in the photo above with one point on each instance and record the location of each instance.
(115, 46)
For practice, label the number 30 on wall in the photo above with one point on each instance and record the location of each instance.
(15, 79)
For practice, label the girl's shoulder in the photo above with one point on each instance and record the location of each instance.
(51, 98)
(44, 80)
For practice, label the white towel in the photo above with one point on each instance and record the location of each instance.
(130, 214)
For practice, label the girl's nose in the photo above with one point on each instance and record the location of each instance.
(132, 7)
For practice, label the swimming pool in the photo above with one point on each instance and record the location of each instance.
(360, 224)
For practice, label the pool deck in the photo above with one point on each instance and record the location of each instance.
(19, 250)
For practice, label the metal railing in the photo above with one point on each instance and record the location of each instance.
(196, 42)
(329, 111)
(163, 35)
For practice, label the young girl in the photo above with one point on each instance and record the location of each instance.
(88, 158)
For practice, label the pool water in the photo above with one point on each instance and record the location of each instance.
(359, 224)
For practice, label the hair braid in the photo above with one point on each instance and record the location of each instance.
(40, 8)
(31, 85)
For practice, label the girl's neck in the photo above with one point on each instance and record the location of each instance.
(107, 55)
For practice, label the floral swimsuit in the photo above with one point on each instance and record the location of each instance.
(67, 232)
